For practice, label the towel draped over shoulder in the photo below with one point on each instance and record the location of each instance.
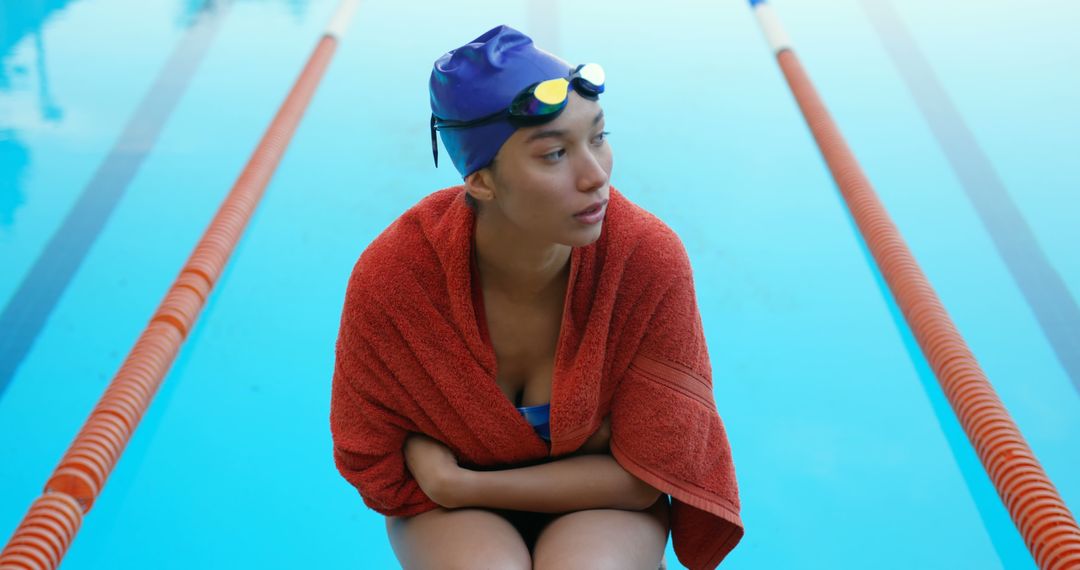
(411, 356)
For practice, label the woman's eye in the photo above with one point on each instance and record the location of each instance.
(555, 155)
(551, 156)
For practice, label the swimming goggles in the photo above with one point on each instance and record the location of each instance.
(538, 103)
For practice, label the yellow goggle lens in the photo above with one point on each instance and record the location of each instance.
(552, 91)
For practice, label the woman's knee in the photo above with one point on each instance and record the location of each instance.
(457, 538)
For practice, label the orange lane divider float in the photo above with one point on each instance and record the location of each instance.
(1046, 524)
(44, 535)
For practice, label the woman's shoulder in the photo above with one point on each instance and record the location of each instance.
(646, 243)
(408, 243)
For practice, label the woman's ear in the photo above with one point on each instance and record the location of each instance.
(481, 185)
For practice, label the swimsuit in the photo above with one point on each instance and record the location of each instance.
(537, 416)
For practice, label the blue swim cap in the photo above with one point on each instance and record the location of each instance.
(480, 78)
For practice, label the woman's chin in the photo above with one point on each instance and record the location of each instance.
(585, 237)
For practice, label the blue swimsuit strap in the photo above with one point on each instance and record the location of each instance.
(540, 412)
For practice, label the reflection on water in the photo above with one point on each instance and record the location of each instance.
(191, 8)
(24, 75)
(17, 21)
(13, 161)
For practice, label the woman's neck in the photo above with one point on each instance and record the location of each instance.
(523, 270)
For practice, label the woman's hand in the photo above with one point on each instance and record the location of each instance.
(434, 467)
(598, 443)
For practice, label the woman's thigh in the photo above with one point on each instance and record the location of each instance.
(457, 538)
(605, 538)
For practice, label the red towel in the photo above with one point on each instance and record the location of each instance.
(413, 356)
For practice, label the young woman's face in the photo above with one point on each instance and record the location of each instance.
(545, 174)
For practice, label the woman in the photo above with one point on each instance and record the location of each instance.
(525, 130)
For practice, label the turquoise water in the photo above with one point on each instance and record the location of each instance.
(847, 454)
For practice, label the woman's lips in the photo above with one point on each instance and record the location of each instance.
(593, 208)
(593, 214)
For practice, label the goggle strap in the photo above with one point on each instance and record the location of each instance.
(434, 143)
(444, 124)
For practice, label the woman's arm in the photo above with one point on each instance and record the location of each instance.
(574, 483)
(571, 484)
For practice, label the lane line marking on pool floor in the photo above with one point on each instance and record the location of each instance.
(1037, 510)
(40, 290)
(1041, 285)
(84, 469)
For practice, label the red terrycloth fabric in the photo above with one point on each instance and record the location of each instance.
(413, 356)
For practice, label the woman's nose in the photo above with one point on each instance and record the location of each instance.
(592, 174)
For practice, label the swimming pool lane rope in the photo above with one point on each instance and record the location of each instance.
(45, 533)
(1048, 528)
